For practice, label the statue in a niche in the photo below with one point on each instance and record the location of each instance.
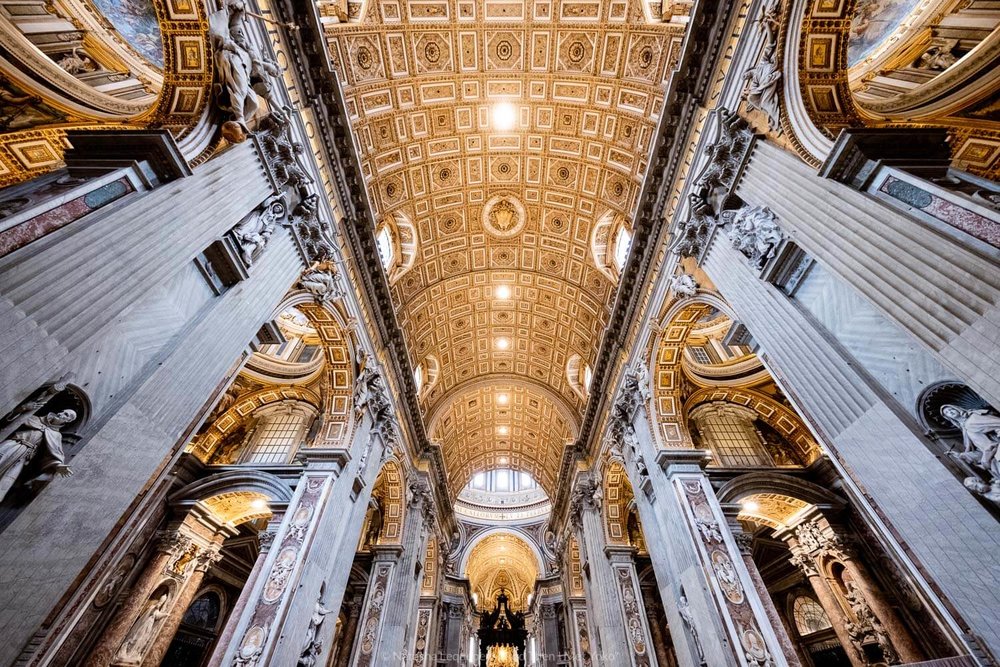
(243, 74)
(143, 631)
(981, 437)
(37, 436)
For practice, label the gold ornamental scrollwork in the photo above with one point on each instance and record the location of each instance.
(180, 104)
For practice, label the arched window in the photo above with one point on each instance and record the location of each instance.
(809, 616)
(588, 376)
(280, 431)
(386, 250)
(418, 377)
(728, 430)
(623, 243)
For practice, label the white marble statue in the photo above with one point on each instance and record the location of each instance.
(321, 281)
(981, 437)
(684, 285)
(684, 609)
(36, 436)
(242, 72)
(755, 232)
(980, 434)
(763, 90)
(143, 631)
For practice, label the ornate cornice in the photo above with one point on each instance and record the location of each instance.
(685, 92)
(323, 93)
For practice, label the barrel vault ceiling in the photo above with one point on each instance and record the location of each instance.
(476, 206)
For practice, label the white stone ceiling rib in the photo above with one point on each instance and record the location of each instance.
(496, 207)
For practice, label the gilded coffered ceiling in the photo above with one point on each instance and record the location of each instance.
(498, 138)
(502, 561)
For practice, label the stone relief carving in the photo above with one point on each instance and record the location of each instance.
(37, 439)
(754, 231)
(243, 74)
(284, 156)
(313, 647)
(710, 191)
(254, 233)
(981, 439)
(763, 80)
(143, 631)
(311, 230)
(322, 281)
(867, 629)
(804, 562)
(684, 285)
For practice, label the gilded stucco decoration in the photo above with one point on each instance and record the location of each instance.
(904, 63)
(504, 131)
(389, 490)
(774, 510)
(618, 496)
(91, 72)
(503, 424)
(502, 560)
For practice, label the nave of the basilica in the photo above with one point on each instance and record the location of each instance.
(499, 333)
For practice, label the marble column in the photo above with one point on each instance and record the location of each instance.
(633, 612)
(826, 543)
(547, 624)
(347, 634)
(580, 628)
(600, 580)
(402, 595)
(826, 598)
(384, 569)
(265, 539)
(141, 630)
(205, 560)
(423, 634)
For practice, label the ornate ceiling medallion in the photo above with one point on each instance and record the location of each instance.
(504, 216)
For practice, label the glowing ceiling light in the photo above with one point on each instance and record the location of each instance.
(504, 116)
(503, 430)
(502, 399)
(503, 292)
(750, 506)
(502, 460)
(258, 504)
(503, 343)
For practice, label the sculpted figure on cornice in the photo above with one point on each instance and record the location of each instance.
(242, 72)
(711, 190)
(587, 495)
(284, 155)
(764, 78)
(420, 498)
(254, 233)
(322, 281)
(310, 229)
(684, 285)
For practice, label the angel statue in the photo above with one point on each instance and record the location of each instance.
(37, 436)
(243, 73)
